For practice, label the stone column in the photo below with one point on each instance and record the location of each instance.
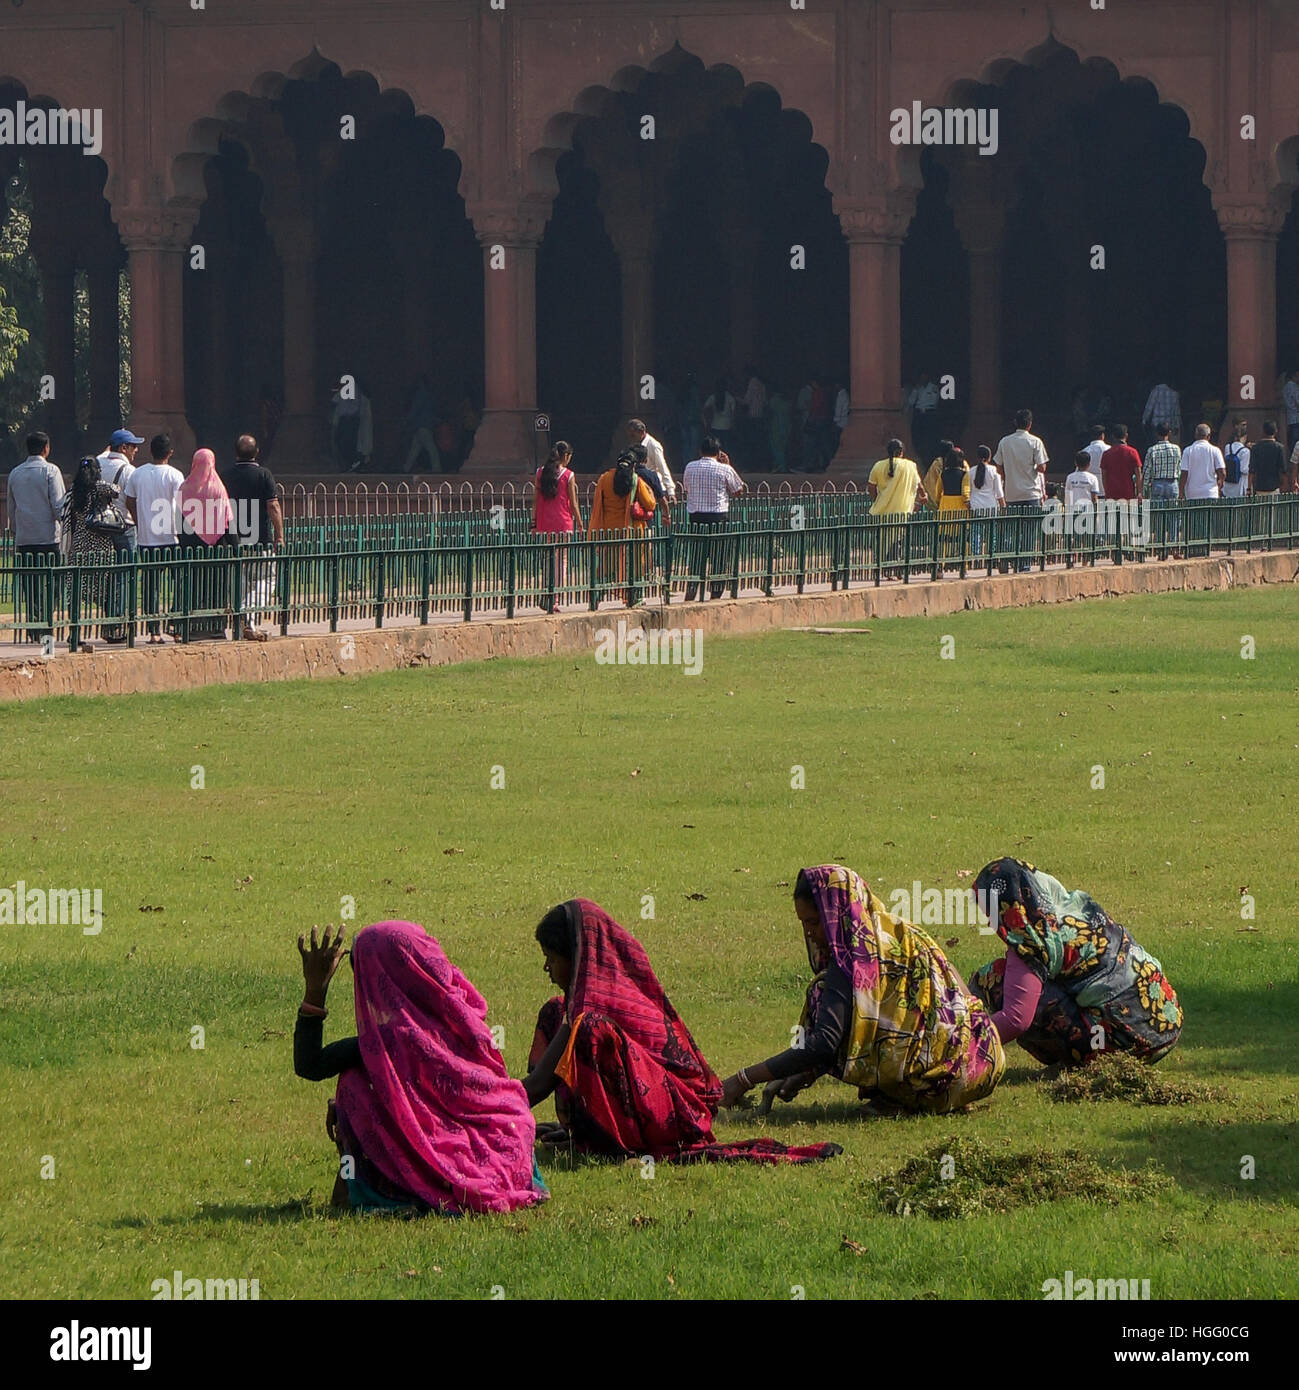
(157, 240)
(105, 351)
(1251, 230)
(299, 441)
(980, 214)
(509, 235)
(58, 280)
(631, 229)
(875, 230)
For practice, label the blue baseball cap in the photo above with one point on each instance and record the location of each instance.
(121, 437)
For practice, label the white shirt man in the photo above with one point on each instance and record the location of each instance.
(1236, 452)
(655, 457)
(1291, 397)
(115, 464)
(154, 488)
(1022, 459)
(710, 484)
(1203, 467)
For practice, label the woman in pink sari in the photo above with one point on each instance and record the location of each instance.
(205, 521)
(426, 1117)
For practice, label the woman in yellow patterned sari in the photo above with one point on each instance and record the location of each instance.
(886, 1011)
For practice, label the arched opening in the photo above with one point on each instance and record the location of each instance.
(1109, 262)
(1287, 265)
(340, 313)
(692, 246)
(64, 366)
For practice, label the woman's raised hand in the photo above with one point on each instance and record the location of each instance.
(319, 961)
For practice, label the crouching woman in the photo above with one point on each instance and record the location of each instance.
(886, 1011)
(1073, 983)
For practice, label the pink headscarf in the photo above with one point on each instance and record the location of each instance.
(204, 501)
(432, 1107)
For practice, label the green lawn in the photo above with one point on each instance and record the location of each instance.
(215, 1162)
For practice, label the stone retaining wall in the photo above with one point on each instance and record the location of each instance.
(124, 672)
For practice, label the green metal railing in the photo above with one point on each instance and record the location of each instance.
(474, 566)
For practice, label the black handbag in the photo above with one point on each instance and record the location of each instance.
(110, 521)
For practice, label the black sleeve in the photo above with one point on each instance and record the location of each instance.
(821, 1046)
(268, 485)
(313, 1062)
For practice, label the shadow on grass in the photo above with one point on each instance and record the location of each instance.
(283, 1214)
(1212, 1159)
(1255, 1025)
(820, 1112)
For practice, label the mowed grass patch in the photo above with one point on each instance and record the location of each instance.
(654, 793)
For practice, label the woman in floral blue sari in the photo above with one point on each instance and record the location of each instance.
(1072, 983)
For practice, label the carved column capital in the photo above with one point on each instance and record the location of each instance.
(884, 217)
(158, 226)
(1251, 219)
(509, 224)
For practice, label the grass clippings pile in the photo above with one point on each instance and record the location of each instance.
(965, 1177)
(1117, 1076)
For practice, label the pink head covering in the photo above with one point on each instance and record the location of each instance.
(432, 1107)
(204, 501)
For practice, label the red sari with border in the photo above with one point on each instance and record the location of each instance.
(632, 1080)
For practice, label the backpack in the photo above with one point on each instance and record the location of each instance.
(1233, 463)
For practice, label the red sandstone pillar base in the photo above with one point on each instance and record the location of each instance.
(863, 443)
(506, 446)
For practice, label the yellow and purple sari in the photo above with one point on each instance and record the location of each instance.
(918, 1037)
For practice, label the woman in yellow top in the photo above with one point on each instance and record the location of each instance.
(934, 472)
(894, 484)
(622, 502)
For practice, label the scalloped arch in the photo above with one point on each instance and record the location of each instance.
(238, 106)
(595, 101)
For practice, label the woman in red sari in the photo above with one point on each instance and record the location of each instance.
(626, 1075)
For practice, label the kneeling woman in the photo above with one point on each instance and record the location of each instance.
(1072, 983)
(625, 1072)
(425, 1111)
(885, 1012)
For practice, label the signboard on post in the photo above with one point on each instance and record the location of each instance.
(541, 425)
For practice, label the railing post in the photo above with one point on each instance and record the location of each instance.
(132, 599)
(284, 583)
(511, 578)
(469, 580)
(74, 609)
(425, 584)
(769, 582)
(802, 560)
(186, 596)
